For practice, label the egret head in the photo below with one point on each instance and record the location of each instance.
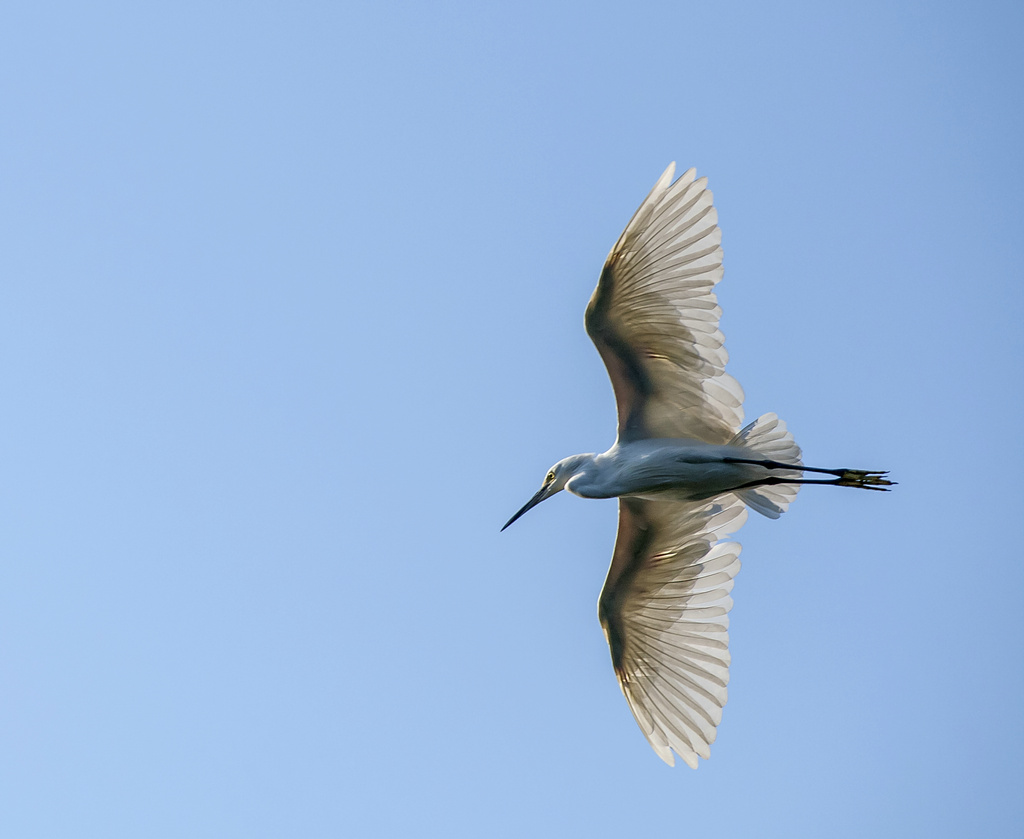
(554, 482)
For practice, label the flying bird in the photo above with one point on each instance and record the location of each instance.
(683, 467)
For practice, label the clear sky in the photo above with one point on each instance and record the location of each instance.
(291, 302)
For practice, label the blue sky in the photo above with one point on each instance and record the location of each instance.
(291, 303)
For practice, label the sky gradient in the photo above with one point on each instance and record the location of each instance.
(291, 302)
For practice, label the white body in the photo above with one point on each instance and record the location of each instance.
(677, 469)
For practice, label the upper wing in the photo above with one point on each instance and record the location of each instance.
(654, 319)
(663, 609)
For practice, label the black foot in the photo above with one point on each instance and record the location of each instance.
(864, 480)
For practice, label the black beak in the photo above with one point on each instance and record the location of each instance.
(529, 505)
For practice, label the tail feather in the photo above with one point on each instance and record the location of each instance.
(768, 437)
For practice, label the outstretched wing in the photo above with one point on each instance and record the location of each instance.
(654, 318)
(664, 611)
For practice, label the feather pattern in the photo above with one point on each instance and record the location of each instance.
(654, 319)
(664, 611)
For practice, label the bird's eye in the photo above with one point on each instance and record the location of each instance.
(550, 477)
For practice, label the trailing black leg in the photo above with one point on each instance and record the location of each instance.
(847, 477)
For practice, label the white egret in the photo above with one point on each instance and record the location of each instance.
(682, 467)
